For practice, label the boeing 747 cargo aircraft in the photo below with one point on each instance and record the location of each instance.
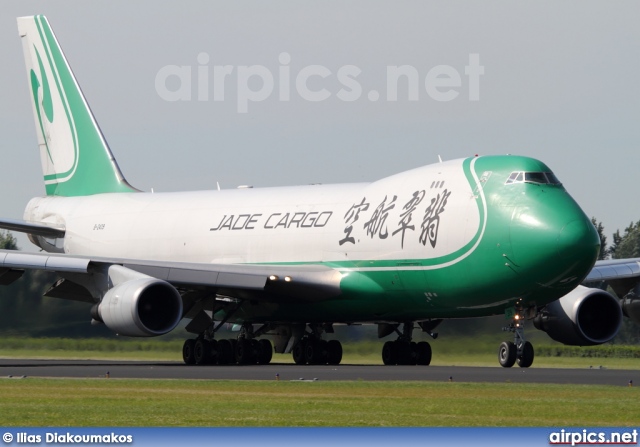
(474, 237)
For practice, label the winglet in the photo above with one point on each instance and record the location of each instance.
(75, 157)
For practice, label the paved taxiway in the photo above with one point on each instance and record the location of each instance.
(175, 370)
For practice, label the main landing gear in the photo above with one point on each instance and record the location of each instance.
(245, 350)
(519, 350)
(312, 350)
(403, 351)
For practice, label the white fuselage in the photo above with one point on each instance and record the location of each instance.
(271, 225)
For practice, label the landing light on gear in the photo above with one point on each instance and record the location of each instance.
(520, 350)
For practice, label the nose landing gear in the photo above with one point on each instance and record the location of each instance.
(520, 350)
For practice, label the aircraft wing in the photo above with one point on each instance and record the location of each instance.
(614, 269)
(38, 229)
(620, 274)
(267, 283)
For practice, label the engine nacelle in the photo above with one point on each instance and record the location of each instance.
(584, 317)
(141, 306)
(631, 304)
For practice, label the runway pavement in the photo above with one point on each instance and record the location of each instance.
(17, 368)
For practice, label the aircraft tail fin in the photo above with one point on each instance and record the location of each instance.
(76, 159)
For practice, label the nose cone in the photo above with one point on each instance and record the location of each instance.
(578, 239)
(553, 242)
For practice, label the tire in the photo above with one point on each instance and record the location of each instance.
(265, 352)
(214, 352)
(299, 353)
(255, 350)
(389, 354)
(225, 352)
(202, 352)
(413, 354)
(312, 352)
(334, 352)
(404, 353)
(423, 353)
(323, 358)
(244, 352)
(188, 352)
(526, 359)
(507, 354)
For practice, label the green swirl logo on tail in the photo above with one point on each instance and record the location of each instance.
(47, 103)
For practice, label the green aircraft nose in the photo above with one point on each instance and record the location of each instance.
(578, 240)
(553, 241)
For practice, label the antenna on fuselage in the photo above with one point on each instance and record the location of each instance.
(218, 184)
(440, 158)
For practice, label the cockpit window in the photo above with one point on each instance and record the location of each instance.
(552, 178)
(539, 178)
(535, 177)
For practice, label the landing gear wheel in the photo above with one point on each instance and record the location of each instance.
(265, 352)
(507, 354)
(525, 360)
(225, 352)
(254, 344)
(202, 352)
(389, 356)
(244, 352)
(187, 352)
(312, 352)
(404, 353)
(423, 353)
(299, 352)
(322, 356)
(213, 348)
(316, 352)
(334, 352)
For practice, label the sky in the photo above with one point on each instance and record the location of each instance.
(308, 96)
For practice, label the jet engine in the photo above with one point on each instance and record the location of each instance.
(583, 317)
(138, 305)
(631, 304)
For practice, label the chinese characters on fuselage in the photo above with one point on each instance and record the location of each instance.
(377, 225)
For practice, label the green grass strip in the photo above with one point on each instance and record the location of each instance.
(134, 403)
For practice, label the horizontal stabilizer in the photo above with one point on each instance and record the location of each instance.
(37, 229)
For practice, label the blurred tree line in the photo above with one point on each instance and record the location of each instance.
(626, 245)
(24, 311)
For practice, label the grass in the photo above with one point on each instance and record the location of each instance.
(152, 403)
